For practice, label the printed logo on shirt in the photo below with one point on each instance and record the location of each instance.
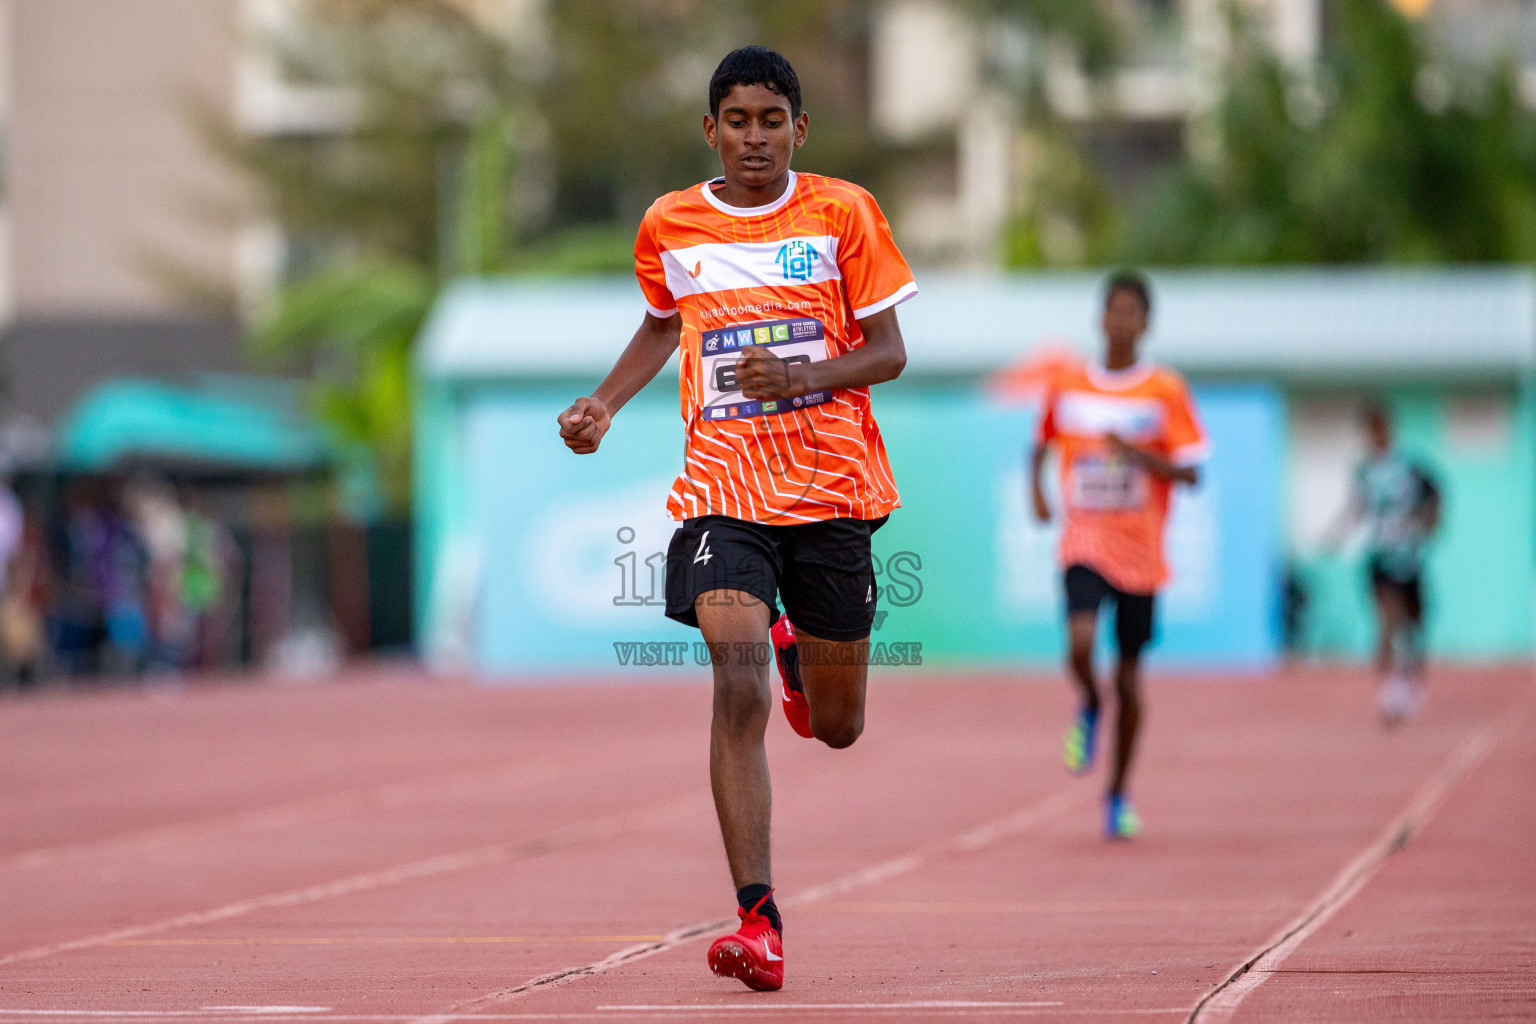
(729, 266)
(798, 259)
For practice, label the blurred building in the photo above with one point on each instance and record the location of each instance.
(120, 249)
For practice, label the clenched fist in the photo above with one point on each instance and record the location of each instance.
(583, 425)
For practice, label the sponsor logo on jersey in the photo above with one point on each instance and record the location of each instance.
(797, 259)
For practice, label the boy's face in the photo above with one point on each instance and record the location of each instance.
(1378, 433)
(1125, 319)
(754, 134)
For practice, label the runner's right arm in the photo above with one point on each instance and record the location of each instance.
(1348, 519)
(1045, 433)
(583, 425)
(1037, 482)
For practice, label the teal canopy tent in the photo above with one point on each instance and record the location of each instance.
(129, 421)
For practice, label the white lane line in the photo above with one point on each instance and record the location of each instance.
(386, 940)
(969, 841)
(1225, 998)
(562, 838)
(270, 1009)
(604, 1013)
(928, 1004)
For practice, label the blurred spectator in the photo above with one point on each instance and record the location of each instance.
(21, 571)
(99, 623)
(211, 563)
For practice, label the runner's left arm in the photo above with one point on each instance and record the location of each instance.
(1428, 511)
(881, 358)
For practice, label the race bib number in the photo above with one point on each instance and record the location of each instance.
(1107, 484)
(798, 340)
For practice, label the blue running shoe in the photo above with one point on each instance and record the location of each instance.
(1077, 747)
(1120, 818)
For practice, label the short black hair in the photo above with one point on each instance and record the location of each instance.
(754, 65)
(1133, 281)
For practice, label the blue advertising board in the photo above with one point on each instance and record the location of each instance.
(569, 551)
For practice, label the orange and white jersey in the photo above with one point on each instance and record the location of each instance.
(796, 276)
(1114, 509)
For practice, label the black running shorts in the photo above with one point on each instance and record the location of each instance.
(1410, 591)
(1134, 613)
(822, 571)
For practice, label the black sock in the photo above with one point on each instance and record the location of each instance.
(791, 660)
(747, 897)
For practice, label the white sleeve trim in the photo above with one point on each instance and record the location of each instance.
(900, 295)
(1191, 454)
(660, 314)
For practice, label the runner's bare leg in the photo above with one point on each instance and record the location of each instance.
(735, 625)
(834, 674)
(1128, 719)
(1392, 619)
(1081, 628)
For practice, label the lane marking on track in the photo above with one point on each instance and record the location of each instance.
(383, 940)
(1225, 998)
(967, 842)
(270, 1009)
(917, 1004)
(608, 1013)
(559, 839)
(1058, 906)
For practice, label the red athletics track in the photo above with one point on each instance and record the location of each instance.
(387, 849)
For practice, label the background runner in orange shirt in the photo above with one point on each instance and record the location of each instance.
(778, 291)
(1126, 431)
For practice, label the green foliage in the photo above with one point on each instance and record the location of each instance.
(469, 148)
(1069, 214)
(1385, 154)
(416, 189)
(358, 321)
(626, 92)
(622, 103)
(1091, 27)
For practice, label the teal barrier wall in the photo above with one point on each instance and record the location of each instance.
(1479, 593)
(558, 557)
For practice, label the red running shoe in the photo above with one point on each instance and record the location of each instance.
(796, 710)
(753, 956)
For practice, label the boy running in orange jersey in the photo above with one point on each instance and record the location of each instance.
(778, 291)
(1126, 431)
